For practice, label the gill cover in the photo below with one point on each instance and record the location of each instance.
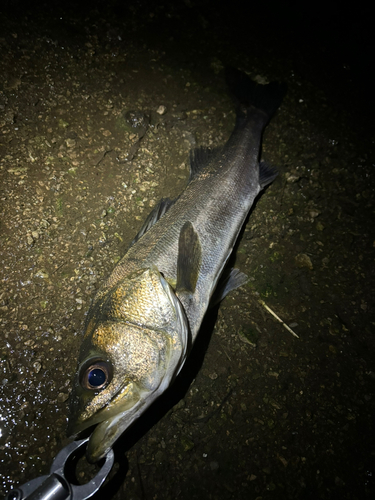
(134, 345)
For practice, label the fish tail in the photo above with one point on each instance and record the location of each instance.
(248, 94)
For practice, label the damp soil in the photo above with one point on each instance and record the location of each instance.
(99, 108)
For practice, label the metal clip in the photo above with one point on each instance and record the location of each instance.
(56, 486)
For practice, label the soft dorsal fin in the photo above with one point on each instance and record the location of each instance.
(156, 213)
(189, 259)
(199, 159)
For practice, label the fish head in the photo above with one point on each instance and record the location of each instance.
(135, 343)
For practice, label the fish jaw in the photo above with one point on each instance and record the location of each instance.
(107, 432)
(113, 420)
(139, 360)
(87, 410)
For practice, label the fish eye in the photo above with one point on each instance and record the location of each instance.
(96, 374)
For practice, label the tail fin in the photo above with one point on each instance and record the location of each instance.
(247, 93)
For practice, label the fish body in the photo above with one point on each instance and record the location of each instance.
(148, 312)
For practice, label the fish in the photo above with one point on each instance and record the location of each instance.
(147, 314)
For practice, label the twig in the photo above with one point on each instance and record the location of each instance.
(278, 319)
(205, 419)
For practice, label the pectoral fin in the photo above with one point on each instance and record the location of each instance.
(189, 259)
(231, 280)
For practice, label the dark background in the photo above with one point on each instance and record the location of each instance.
(325, 53)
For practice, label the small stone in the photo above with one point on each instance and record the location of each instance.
(187, 444)
(63, 124)
(37, 366)
(271, 423)
(161, 110)
(291, 178)
(282, 460)
(62, 397)
(303, 260)
(70, 143)
(42, 274)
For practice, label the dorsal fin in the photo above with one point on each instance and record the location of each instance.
(199, 159)
(156, 213)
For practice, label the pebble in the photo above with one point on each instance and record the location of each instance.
(291, 178)
(37, 366)
(161, 110)
(303, 260)
(70, 143)
(314, 213)
(62, 397)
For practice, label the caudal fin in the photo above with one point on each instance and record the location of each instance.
(247, 93)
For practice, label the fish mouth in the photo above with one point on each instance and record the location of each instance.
(108, 431)
(111, 421)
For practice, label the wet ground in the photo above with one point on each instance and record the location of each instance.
(98, 111)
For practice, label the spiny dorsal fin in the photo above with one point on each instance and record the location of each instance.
(230, 280)
(156, 213)
(266, 174)
(189, 259)
(199, 159)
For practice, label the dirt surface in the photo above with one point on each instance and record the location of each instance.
(98, 111)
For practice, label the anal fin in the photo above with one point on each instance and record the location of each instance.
(230, 280)
(266, 174)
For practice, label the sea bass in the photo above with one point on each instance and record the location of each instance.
(146, 315)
